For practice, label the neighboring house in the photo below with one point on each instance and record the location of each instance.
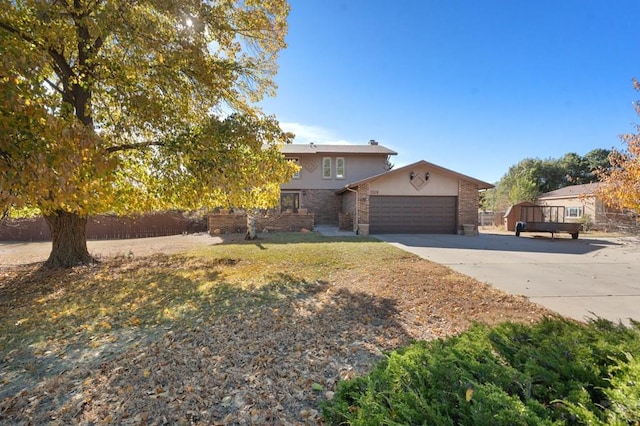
(580, 203)
(353, 181)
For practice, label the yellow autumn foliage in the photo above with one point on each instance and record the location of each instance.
(113, 106)
(620, 185)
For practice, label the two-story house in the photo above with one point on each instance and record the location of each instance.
(327, 169)
(355, 181)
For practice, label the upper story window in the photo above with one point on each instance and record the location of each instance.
(297, 162)
(574, 211)
(326, 168)
(340, 168)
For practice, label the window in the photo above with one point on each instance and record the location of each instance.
(339, 168)
(574, 211)
(326, 168)
(289, 201)
(296, 175)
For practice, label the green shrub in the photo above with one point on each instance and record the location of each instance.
(554, 372)
(587, 223)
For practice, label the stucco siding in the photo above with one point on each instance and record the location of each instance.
(400, 184)
(356, 168)
(588, 205)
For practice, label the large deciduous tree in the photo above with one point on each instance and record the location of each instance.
(128, 106)
(621, 182)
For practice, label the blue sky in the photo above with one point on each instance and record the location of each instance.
(471, 85)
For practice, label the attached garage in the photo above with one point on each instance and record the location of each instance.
(421, 198)
(413, 214)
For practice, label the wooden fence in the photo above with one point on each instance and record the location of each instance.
(490, 219)
(109, 227)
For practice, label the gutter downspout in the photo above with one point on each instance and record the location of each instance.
(355, 219)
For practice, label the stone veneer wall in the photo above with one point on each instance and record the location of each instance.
(223, 223)
(468, 199)
(324, 203)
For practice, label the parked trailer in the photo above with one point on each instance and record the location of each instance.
(546, 219)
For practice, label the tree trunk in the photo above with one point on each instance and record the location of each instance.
(251, 227)
(69, 240)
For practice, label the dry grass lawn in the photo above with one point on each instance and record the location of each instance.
(234, 333)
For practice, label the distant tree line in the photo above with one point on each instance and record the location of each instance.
(534, 176)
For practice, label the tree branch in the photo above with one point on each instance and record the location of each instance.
(132, 146)
(64, 71)
(19, 33)
(53, 86)
(63, 68)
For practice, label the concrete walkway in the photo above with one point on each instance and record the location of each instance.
(332, 231)
(581, 278)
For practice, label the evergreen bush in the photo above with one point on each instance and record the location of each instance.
(554, 372)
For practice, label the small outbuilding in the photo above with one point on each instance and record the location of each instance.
(513, 214)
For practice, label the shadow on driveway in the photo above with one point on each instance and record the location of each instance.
(500, 242)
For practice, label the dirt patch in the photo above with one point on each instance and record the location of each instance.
(22, 253)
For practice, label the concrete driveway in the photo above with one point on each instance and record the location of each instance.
(580, 278)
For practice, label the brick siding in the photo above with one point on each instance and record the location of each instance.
(468, 200)
(345, 222)
(363, 203)
(324, 203)
(221, 223)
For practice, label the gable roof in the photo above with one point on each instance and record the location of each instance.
(573, 191)
(312, 148)
(481, 184)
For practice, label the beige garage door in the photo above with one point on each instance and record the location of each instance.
(412, 215)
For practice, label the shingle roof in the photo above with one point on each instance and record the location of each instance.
(336, 149)
(572, 191)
